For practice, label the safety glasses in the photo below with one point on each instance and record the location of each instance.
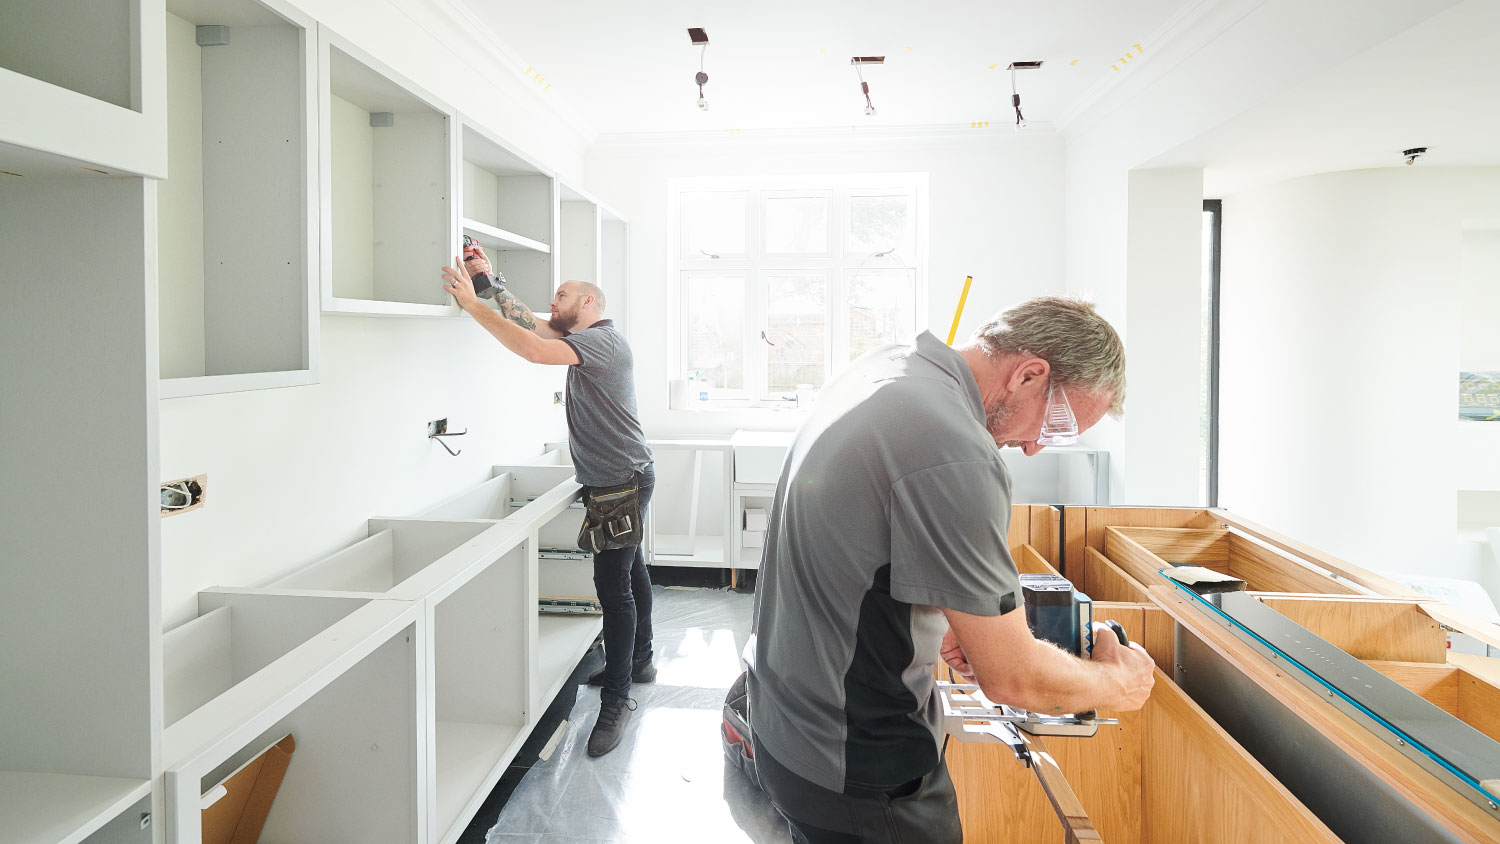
(1059, 425)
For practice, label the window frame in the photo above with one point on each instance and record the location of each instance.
(838, 267)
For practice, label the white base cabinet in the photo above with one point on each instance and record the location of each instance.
(409, 668)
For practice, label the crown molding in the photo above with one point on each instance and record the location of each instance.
(503, 62)
(944, 135)
(1189, 30)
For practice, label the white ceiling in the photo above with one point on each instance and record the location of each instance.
(778, 64)
(1434, 86)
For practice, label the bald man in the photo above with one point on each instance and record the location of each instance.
(608, 447)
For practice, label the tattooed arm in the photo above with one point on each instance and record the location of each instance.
(513, 325)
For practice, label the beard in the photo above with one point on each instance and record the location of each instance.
(997, 417)
(564, 323)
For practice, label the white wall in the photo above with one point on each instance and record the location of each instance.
(1481, 297)
(295, 472)
(1164, 271)
(1227, 58)
(1342, 303)
(995, 212)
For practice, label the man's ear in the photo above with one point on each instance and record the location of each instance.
(1027, 371)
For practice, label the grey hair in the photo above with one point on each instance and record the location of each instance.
(1081, 347)
(591, 289)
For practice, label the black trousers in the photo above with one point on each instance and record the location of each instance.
(624, 589)
(923, 811)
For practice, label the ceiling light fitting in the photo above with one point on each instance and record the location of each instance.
(699, 38)
(864, 86)
(1413, 154)
(1015, 98)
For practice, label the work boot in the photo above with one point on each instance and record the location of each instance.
(614, 714)
(644, 672)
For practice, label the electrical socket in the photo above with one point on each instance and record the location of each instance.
(183, 495)
(437, 426)
(557, 398)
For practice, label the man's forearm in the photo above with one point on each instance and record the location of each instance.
(512, 309)
(1053, 682)
(511, 333)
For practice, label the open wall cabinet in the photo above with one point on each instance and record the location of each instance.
(387, 218)
(237, 218)
(83, 98)
(509, 206)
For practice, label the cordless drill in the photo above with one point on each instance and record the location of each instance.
(486, 283)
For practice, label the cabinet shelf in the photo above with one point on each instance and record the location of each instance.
(63, 808)
(470, 759)
(562, 640)
(498, 238)
(708, 551)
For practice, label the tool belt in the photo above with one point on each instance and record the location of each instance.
(612, 517)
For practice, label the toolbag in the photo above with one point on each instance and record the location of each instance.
(612, 517)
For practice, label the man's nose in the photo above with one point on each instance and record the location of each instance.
(1031, 448)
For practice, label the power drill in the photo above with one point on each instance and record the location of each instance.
(485, 284)
(1054, 612)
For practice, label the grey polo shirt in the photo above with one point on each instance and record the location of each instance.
(604, 429)
(893, 501)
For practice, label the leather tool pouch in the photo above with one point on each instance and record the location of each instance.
(612, 517)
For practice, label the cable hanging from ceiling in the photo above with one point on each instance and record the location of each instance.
(1015, 97)
(864, 87)
(699, 37)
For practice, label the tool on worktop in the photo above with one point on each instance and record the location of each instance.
(1055, 612)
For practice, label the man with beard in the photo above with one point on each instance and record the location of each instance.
(886, 552)
(609, 449)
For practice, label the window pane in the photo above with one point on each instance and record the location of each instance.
(714, 223)
(797, 225)
(797, 330)
(715, 316)
(882, 309)
(878, 223)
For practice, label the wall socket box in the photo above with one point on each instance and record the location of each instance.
(183, 495)
(437, 426)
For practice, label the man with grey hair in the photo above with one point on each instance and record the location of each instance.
(609, 450)
(887, 551)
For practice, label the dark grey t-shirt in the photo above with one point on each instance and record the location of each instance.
(893, 501)
(604, 430)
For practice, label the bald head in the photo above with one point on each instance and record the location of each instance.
(588, 288)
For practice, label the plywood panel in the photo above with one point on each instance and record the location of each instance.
(1201, 786)
(1107, 582)
(1073, 542)
(1160, 639)
(1140, 564)
(1096, 519)
(1396, 631)
(1437, 684)
(1001, 802)
(1043, 533)
(1265, 570)
(1479, 704)
(1028, 561)
(1351, 572)
(1208, 548)
(1019, 532)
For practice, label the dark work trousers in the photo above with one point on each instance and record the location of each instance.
(624, 589)
(923, 811)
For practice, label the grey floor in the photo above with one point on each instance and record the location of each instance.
(668, 781)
